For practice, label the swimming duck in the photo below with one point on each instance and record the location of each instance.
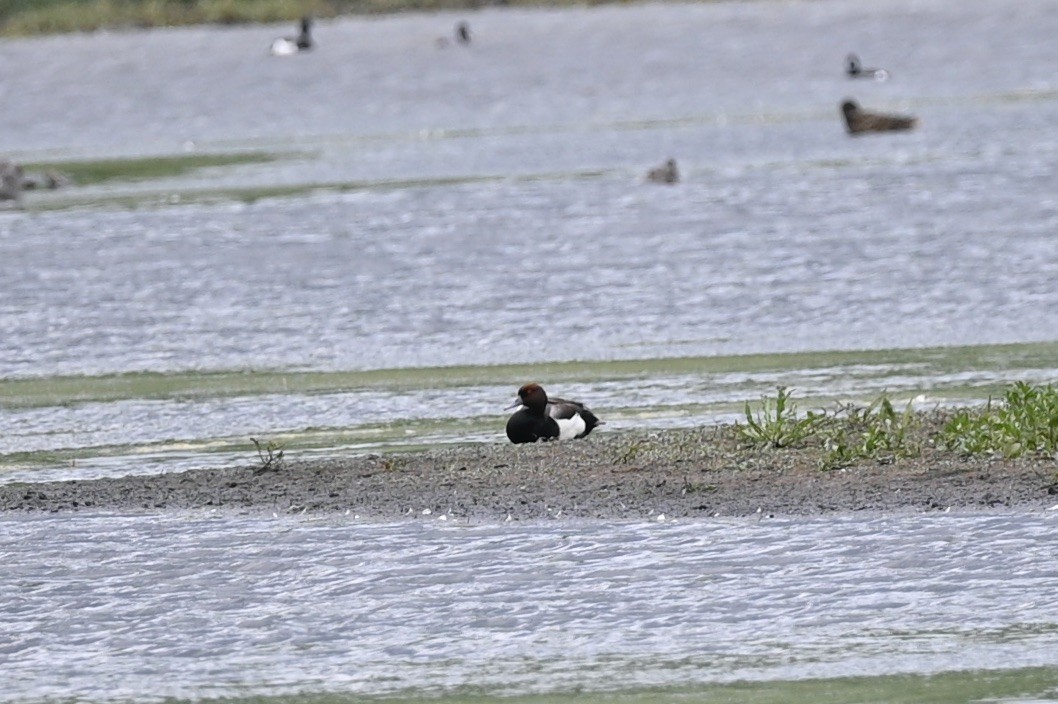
(855, 69)
(857, 121)
(666, 173)
(10, 180)
(463, 33)
(541, 418)
(287, 46)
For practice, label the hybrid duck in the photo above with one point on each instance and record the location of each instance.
(541, 418)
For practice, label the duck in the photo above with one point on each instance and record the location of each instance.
(543, 418)
(288, 46)
(858, 121)
(11, 177)
(666, 173)
(855, 69)
(463, 33)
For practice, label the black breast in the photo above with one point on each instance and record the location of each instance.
(523, 426)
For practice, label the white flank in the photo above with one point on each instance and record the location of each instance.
(569, 428)
(284, 47)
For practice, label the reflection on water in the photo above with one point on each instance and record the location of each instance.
(107, 607)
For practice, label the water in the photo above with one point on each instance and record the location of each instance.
(786, 234)
(541, 243)
(485, 206)
(128, 607)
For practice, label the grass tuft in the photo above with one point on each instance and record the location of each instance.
(269, 454)
(877, 432)
(776, 423)
(1026, 422)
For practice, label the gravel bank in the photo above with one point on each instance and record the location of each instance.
(681, 473)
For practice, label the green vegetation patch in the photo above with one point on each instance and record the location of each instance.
(1025, 422)
(35, 392)
(877, 432)
(122, 171)
(952, 687)
(29, 17)
(85, 173)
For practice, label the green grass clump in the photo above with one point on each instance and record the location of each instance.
(877, 432)
(31, 17)
(1026, 422)
(59, 16)
(776, 422)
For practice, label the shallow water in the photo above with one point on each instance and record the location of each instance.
(114, 607)
(211, 424)
(485, 205)
(786, 234)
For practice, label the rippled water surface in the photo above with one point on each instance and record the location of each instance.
(785, 233)
(110, 607)
(485, 207)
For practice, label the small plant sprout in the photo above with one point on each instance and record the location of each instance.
(270, 455)
(776, 423)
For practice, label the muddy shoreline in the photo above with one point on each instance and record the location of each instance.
(702, 472)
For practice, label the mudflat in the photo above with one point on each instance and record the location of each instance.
(702, 472)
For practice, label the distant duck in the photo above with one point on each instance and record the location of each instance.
(10, 181)
(858, 121)
(855, 69)
(288, 46)
(463, 33)
(666, 173)
(541, 418)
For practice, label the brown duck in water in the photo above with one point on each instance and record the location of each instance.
(666, 173)
(858, 121)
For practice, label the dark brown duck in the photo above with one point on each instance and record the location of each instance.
(858, 121)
